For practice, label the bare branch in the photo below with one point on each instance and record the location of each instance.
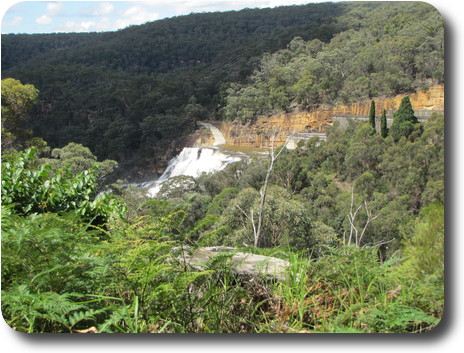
(257, 224)
(244, 213)
(379, 243)
(352, 217)
(250, 217)
(370, 218)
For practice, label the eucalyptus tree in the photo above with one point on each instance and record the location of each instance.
(17, 102)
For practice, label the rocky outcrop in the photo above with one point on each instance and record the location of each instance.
(242, 263)
(258, 133)
(432, 99)
(217, 135)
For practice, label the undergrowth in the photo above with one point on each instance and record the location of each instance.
(58, 276)
(65, 271)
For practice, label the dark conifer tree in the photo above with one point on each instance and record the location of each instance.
(372, 115)
(383, 124)
(403, 120)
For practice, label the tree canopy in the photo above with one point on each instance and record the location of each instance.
(355, 220)
(381, 53)
(404, 120)
(17, 102)
(128, 94)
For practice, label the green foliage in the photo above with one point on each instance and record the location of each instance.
(214, 183)
(47, 252)
(360, 284)
(76, 158)
(364, 152)
(165, 294)
(372, 115)
(28, 187)
(222, 200)
(140, 253)
(57, 276)
(350, 272)
(291, 170)
(17, 102)
(404, 120)
(348, 290)
(45, 312)
(70, 265)
(365, 185)
(286, 222)
(396, 318)
(392, 214)
(383, 124)
(423, 265)
(47, 261)
(366, 60)
(129, 101)
(424, 245)
(136, 280)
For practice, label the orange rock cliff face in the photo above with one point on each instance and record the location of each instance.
(424, 103)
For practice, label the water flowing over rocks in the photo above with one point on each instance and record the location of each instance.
(194, 162)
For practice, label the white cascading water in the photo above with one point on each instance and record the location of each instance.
(194, 162)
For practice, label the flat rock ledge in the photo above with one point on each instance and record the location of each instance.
(243, 263)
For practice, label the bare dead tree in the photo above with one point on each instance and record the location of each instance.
(258, 223)
(352, 217)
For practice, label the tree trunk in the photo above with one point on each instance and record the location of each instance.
(263, 191)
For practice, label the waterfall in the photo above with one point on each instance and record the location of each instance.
(194, 162)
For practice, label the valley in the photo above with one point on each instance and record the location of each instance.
(256, 171)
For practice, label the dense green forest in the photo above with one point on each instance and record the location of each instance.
(127, 95)
(386, 51)
(359, 216)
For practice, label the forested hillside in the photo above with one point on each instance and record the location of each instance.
(387, 50)
(359, 219)
(356, 220)
(128, 94)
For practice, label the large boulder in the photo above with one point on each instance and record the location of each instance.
(242, 263)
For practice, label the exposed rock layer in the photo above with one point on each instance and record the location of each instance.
(258, 134)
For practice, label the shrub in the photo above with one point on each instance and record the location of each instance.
(28, 187)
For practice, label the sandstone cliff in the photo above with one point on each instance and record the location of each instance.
(424, 103)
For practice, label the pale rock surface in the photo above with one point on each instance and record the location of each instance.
(243, 263)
